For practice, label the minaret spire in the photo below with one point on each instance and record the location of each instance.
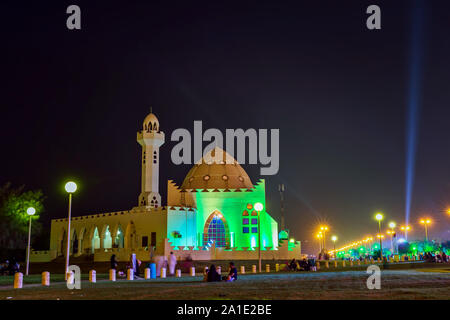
(150, 138)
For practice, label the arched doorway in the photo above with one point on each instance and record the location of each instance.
(107, 238)
(95, 241)
(119, 239)
(62, 242)
(216, 229)
(74, 241)
(130, 236)
(81, 239)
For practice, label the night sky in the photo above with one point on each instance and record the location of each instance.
(72, 102)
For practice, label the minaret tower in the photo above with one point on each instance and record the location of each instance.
(150, 138)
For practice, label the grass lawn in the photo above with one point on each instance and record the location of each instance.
(429, 283)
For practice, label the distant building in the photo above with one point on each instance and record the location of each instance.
(210, 216)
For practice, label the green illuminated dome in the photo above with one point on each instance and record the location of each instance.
(210, 174)
(283, 235)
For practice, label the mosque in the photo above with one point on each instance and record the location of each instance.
(211, 216)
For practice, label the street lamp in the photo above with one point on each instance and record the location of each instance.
(259, 207)
(405, 230)
(392, 232)
(319, 236)
(426, 222)
(324, 230)
(70, 187)
(334, 238)
(379, 217)
(30, 211)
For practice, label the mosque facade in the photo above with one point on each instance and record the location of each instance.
(210, 216)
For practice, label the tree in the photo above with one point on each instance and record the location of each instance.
(14, 218)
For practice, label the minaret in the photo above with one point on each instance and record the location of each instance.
(150, 138)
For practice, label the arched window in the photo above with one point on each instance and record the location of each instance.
(149, 127)
(155, 127)
(216, 229)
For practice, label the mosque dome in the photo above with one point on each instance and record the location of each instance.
(210, 174)
(151, 123)
(283, 235)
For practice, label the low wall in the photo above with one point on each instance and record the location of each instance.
(42, 256)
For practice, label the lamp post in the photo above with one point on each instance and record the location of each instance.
(319, 236)
(30, 211)
(70, 187)
(391, 233)
(324, 230)
(379, 217)
(405, 230)
(334, 238)
(259, 207)
(426, 222)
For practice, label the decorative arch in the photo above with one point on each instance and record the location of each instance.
(118, 237)
(106, 237)
(216, 229)
(95, 239)
(130, 236)
(81, 239)
(62, 241)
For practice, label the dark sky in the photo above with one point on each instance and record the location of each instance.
(72, 101)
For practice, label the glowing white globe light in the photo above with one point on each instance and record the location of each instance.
(258, 206)
(31, 211)
(71, 187)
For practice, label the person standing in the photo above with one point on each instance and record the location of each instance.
(114, 262)
(172, 263)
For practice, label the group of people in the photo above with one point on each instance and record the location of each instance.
(134, 264)
(438, 257)
(211, 274)
(9, 267)
(302, 265)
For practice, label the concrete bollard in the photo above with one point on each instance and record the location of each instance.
(178, 273)
(343, 263)
(254, 268)
(130, 274)
(192, 271)
(335, 264)
(147, 273)
(267, 267)
(18, 280)
(351, 263)
(46, 278)
(277, 267)
(242, 269)
(327, 264)
(112, 274)
(219, 270)
(70, 277)
(92, 276)
(163, 272)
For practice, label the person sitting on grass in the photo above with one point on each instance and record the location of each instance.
(293, 265)
(213, 276)
(232, 275)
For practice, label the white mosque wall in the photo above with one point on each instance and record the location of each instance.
(114, 230)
